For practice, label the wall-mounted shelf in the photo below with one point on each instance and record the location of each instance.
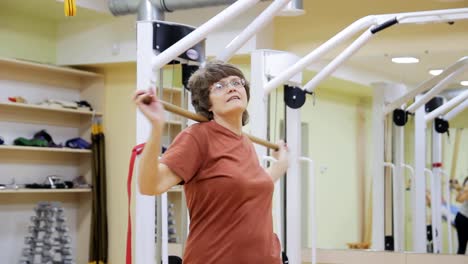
(21, 148)
(46, 108)
(77, 190)
(6, 62)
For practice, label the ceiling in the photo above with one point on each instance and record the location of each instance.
(436, 45)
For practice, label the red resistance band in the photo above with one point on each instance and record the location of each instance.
(437, 165)
(135, 152)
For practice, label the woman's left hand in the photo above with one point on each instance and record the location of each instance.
(282, 154)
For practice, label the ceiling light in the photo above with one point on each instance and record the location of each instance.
(464, 83)
(405, 60)
(435, 72)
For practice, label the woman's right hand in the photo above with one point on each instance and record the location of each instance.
(150, 106)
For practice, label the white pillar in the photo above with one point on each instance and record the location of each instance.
(392, 92)
(258, 105)
(293, 187)
(436, 190)
(419, 183)
(399, 187)
(271, 63)
(144, 220)
(378, 199)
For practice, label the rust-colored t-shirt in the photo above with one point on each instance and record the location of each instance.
(229, 197)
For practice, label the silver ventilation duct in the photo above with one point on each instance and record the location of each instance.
(296, 4)
(293, 8)
(147, 11)
(125, 7)
(172, 5)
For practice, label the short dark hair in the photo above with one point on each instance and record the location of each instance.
(201, 80)
(466, 180)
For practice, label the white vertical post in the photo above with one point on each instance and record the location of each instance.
(311, 198)
(277, 214)
(258, 111)
(258, 103)
(449, 212)
(398, 181)
(164, 229)
(293, 186)
(398, 189)
(378, 199)
(419, 183)
(144, 247)
(274, 62)
(436, 185)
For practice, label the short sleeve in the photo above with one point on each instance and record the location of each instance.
(184, 156)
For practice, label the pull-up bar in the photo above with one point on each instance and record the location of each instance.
(262, 20)
(216, 22)
(455, 111)
(440, 80)
(199, 118)
(374, 24)
(462, 97)
(439, 87)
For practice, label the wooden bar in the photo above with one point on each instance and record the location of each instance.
(199, 118)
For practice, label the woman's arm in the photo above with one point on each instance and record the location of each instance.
(279, 168)
(153, 177)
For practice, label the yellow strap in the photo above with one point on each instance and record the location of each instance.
(96, 129)
(69, 6)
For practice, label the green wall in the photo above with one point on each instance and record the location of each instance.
(26, 37)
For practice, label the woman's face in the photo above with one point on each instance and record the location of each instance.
(228, 97)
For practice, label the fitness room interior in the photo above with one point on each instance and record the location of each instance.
(370, 96)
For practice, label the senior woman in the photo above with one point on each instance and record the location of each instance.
(229, 195)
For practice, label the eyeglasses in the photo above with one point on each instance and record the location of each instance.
(219, 87)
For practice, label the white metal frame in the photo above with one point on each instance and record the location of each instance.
(145, 206)
(436, 194)
(266, 64)
(371, 23)
(436, 84)
(457, 100)
(311, 209)
(457, 110)
(367, 22)
(448, 205)
(144, 249)
(436, 180)
(421, 121)
(157, 62)
(276, 199)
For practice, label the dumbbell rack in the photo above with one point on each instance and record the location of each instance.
(48, 241)
(171, 224)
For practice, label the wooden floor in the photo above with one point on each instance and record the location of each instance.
(328, 256)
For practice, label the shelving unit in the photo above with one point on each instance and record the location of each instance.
(174, 125)
(36, 83)
(43, 149)
(17, 106)
(22, 191)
